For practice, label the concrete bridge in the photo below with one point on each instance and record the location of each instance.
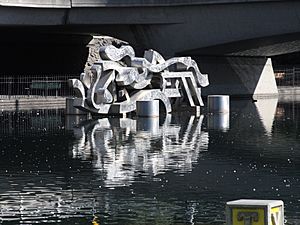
(231, 39)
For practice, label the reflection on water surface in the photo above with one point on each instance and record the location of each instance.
(121, 149)
(180, 169)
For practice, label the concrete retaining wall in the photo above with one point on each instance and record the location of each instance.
(288, 90)
(32, 103)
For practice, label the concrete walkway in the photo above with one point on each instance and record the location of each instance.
(32, 103)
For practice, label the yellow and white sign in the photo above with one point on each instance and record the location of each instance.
(277, 215)
(255, 212)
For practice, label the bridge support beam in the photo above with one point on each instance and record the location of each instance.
(246, 77)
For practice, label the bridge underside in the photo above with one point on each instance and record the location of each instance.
(40, 44)
(33, 51)
(231, 42)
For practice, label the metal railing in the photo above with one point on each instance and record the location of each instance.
(35, 86)
(288, 77)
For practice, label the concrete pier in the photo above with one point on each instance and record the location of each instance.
(218, 103)
(218, 121)
(241, 77)
(71, 110)
(147, 108)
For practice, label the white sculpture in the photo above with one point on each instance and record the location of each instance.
(119, 79)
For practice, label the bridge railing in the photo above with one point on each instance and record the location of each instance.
(287, 76)
(35, 86)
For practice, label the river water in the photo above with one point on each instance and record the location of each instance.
(179, 169)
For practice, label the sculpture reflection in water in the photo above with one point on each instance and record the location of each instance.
(119, 79)
(122, 148)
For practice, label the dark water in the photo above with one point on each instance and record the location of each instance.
(181, 169)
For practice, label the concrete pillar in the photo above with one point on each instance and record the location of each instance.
(218, 103)
(218, 121)
(147, 108)
(148, 124)
(71, 110)
(218, 109)
(239, 76)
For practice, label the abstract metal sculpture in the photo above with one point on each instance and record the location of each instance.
(119, 79)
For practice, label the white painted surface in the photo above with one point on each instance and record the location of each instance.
(266, 83)
(266, 109)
